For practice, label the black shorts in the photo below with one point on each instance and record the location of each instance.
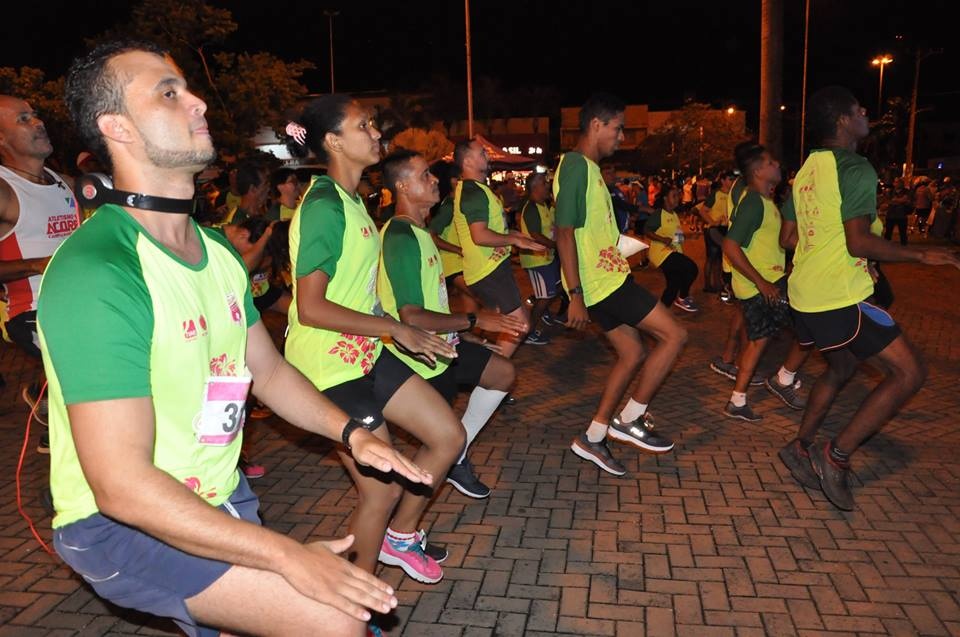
(22, 330)
(863, 328)
(364, 398)
(266, 300)
(627, 305)
(762, 319)
(464, 371)
(710, 239)
(449, 279)
(498, 290)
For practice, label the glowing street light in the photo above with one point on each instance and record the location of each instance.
(731, 110)
(881, 61)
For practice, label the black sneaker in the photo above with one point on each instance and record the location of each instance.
(834, 480)
(537, 338)
(438, 552)
(44, 445)
(509, 400)
(464, 479)
(743, 413)
(598, 453)
(797, 459)
(789, 394)
(639, 433)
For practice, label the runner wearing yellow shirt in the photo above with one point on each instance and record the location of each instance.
(835, 199)
(601, 288)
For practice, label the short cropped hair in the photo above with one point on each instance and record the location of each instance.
(602, 106)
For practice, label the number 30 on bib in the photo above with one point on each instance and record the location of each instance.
(224, 403)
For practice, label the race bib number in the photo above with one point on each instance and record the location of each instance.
(224, 410)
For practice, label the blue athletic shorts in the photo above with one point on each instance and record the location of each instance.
(545, 279)
(135, 570)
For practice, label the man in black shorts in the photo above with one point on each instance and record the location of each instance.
(760, 282)
(601, 288)
(835, 201)
(411, 287)
(487, 242)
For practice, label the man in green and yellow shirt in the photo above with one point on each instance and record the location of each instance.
(835, 200)
(445, 237)
(598, 280)
(412, 288)
(147, 404)
(538, 221)
(760, 282)
(485, 240)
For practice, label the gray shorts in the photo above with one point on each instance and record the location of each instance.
(135, 570)
(498, 290)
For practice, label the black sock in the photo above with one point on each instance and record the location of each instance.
(839, 458)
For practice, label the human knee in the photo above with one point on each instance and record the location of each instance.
(912, 373)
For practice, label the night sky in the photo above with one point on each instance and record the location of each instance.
(659, 54)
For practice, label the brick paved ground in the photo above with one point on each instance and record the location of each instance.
(713, 540)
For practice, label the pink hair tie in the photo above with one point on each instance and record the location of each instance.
(297, 132)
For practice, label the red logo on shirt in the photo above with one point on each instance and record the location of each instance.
(365, 232)
(189, 330)
(235, 315)
(61, 225)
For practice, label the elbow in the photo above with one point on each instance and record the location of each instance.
(857, 249)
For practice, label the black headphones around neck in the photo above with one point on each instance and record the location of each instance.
(96, 189)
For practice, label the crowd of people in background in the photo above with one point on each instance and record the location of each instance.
(398, 283)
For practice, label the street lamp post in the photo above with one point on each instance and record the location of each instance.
(330, 15)
(881, 61)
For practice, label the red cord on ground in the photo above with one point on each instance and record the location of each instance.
(23, 455)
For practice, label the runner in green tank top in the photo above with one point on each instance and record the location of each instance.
(759, 282)
(412, 289)
(336, 330)
(486, 241)
(601, 288)
(151, 342)
(834, 196)
(538, 221)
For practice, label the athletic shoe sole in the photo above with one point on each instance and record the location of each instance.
(776, 393)
(390, 560)
(586, 455)
(809, 480)
(722, 372)
(467, 492)
(537, 342)
(685, 308)
(630, 440)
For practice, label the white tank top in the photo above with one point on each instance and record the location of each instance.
(48, 215)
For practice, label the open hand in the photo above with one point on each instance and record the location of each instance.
(369, 451)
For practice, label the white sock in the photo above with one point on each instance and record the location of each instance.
(785, 377)
(482, 404)
(597, 431)
(632, 410)
(400, 541)
(739, 399)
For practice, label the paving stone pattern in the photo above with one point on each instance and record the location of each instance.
(713, 540)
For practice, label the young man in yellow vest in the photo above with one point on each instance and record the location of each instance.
(412, 288)
(598, 280)
(835, 203)
(146, 409)
(486, 241)
(760, 281)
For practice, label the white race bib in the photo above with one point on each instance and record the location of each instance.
(224, 410)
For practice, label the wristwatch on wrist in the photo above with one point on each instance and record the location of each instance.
(473, 321)
(352, 425)
(576, 290)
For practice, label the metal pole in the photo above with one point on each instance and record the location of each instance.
(803, 94)
(880, 93)
(912, 127)
(330, 14)
(700, 152)
(466, 13)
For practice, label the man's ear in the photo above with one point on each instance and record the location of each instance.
(115, 127)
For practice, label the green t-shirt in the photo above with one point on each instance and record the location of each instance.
(473, 202)
(540, 218)
(441, 224)
(756, 229)
(332, 232)
(832, 186)
(664, 223)
(584, 204)
(121, 316)
(411, 274)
